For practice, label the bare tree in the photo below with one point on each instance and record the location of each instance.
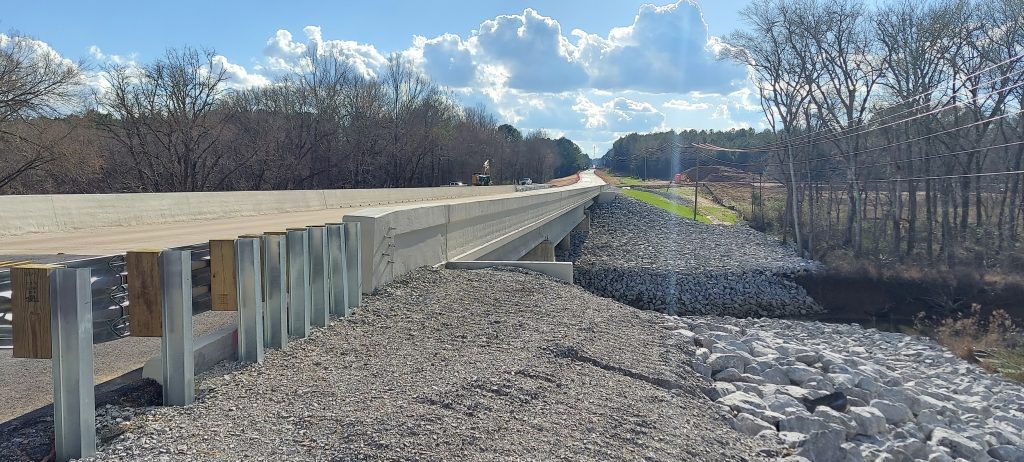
(165, 118)
(34, 82)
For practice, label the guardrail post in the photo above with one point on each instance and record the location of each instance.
(319, 275)
(74, 399)
(275, 291)
(223, 285)
(299, 312)
(354, 262)
(176, 344)
(145, 306)
(250, 300)
(339, 268)
(30, 308)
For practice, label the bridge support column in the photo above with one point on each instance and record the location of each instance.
(584, 225)
(565, 244)
(545, 251)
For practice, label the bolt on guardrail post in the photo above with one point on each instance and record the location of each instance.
(74, 400)
(338, 268)
(354, 262)
(275, 293)
(319, 275)
(299, 312)
(250, 300)
(177, 342)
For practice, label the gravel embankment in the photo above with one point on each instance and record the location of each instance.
(908, 397)
(648, 258)
(455, 365)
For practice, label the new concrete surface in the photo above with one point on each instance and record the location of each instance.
(67, 212)
(119, 239)
(399, 239)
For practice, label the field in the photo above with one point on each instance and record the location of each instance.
(665, 204)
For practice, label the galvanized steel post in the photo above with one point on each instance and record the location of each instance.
(338, 269)
(275, 291)
(319, 276)
(299, 312)
(354, 262)
(176, 342)
(250, 300)
(74, 400)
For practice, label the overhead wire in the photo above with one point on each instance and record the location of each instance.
(773, 146)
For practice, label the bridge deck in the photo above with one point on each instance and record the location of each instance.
(114, 240)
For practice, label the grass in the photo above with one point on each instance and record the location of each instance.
(994, 343)
(665, 204)
(625, 180)
(706, 206)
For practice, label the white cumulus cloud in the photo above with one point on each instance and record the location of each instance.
(684, 105)
(283, 53)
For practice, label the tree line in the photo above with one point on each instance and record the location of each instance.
(175, 124)
(895, 126)
(661, 155)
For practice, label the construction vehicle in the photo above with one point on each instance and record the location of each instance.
(483, 179)
(480, 179)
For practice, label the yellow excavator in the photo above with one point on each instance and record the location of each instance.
(483, 179)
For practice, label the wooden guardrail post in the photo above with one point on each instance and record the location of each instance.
(299, 312)
(223, 286)
(145, 307)
(319, 276)
(339, 269)
(275, 291)
(30, 308)
(354, 262)
(250, 300)
(74, 399)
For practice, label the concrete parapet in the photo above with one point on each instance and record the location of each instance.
(66, 212)
(399, 239)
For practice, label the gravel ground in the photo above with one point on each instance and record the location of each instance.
(27, 384)
(648, 258)
(908, 398)
(456, 365)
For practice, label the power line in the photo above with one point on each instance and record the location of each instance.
(898, 143)
(773, 146)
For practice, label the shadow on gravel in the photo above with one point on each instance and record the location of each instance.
(29, 437)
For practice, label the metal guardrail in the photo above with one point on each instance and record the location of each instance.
(110, 293)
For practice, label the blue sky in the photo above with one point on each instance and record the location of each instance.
(589, 70)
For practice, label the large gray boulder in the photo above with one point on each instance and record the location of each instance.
(895, 413)
(958, 445)
(869, 420)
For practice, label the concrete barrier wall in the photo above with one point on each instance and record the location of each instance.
(65, 212)
(397, 240)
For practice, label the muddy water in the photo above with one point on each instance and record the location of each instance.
(892, 304)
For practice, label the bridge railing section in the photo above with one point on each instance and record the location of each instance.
(282, 284)
(397, 240)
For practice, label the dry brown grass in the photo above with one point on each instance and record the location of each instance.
(994, 342)
(565, 181)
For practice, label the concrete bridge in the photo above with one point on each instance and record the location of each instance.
(398, 231)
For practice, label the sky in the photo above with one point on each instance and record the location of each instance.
(590, 70)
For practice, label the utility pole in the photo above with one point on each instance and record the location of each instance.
(760, 197)
(751, 196)
(696, 186)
